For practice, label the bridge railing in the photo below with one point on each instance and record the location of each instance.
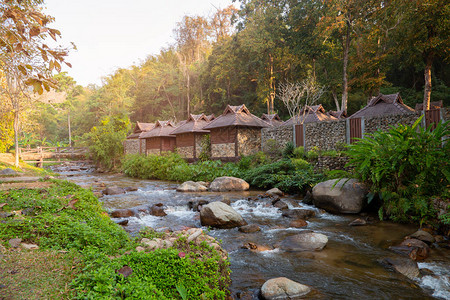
(39, 154)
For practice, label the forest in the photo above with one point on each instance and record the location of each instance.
(241, 54)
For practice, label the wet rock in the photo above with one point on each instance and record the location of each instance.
(125, 271)
(130, 189)
(308, 199)
(197, 205)
(426, 272)
(299, 213)
(358, 222)
(193, 234)
(122, 222)
(157, 210)
(280, 204)
(415, 249)
(226, 200)
(347, 196)
(14, 243)
(283, 288)
(298, 223)
(423, 236)
(249, 228)
(122, 213)
(224, 184)
(114, 190)
(220, 215)
(29, 246)
(404, 266)
(8, 172)
(304, 241)
(191, 186)
(255, 247)
(274, 192)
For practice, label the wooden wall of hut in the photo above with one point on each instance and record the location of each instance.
(223, 135)
(185, 140)
(167, 143)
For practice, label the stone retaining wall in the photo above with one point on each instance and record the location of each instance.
(331, 163)
(325, 135)
(385, 122)
(153, 151)
(223, 150)
(281, 135)
(249, 141)
(131, 146)
(186, 152)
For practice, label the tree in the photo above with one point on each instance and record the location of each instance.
(25, 59)
(299, 95)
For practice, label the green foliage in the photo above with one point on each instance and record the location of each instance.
(300, 164)
(273, 149)
(6, 131)
(205, 154)
(106, 140)
(299, 152)
(288, 150)
(407, 166)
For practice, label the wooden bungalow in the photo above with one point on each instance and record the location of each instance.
(310, 114)
(190, 135)
(383, 105)
(133, 144)
(235, 133)
(272, 119)
(159, 139)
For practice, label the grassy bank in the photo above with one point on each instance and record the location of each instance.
(290, 174)
(82, 249)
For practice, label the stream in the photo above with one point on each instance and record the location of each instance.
(346, 268)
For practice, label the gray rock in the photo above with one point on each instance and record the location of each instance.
(274, 192)
(308, 199)
(415, 249)
(299, 213)
(220, 215)
(157, 210)
(8, 172)
(113, 190)
(14, 243)
(280, 204)
(224, 184)
(423, 236)
(249, 228)
(122, 213)
(358, 222)
(191, 186)
(282, 288)
(348, 197)
(29, 246)
(304, 241)
(401, 265)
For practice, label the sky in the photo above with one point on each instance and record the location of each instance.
(112, 34)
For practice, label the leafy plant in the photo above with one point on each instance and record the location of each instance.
(288, 150)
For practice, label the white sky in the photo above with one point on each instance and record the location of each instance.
(111, 34)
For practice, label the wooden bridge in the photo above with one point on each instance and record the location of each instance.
(40, 155)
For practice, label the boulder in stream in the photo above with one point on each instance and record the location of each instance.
(122, 213)
(249, 228)
(274, 192)
(113, 190)
(226, 183)
(423, 236)
(220, 215)
(299, 213)
(280, 204)
(415, 249)
(191, 186)
(304, 241)
(348, 196)
(283, 288)
(404, 266)
(157, 210)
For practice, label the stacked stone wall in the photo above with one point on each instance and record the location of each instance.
(249, 141)
(325, 135)
(186, 152)
(153, 151)
(280, 134)
(199, 143)
(331, 163)
(131, 146)
(385, 122)
(223, 150)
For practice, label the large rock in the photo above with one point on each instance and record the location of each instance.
(224, 184)
(8, 172)
(303, 214)
(304, 241)
(401, 265)
(122, 213)
(113, 190)
(249, 228)
(191, 186)
(347, 196)
(283, 288)
(157, 210)
(274, 192)
(415, 249)
(220, 215)
(423, 236)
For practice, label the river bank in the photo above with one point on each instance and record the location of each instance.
(348, 267)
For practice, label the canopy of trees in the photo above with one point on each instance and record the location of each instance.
(354, 49)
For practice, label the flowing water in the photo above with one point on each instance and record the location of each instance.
(347, 268)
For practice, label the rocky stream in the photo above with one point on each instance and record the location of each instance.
(352, 265)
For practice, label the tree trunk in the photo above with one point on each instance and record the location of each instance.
(16, 137)
(271, 85)
(427, 90)
(344, 71)
(70, 131)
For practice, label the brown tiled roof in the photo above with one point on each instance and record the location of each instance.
(312, 114)
(340, 114)
(139, 128)
(210, 117)
(272, 119)
(162, 128)
(433, 105)
(236, 116)
(383, 105)
(194, 123)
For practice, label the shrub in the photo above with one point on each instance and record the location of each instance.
(273, 149)
(406, 166)
(299, 152)
(300, 164)
(288, 150)
(205, 154)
